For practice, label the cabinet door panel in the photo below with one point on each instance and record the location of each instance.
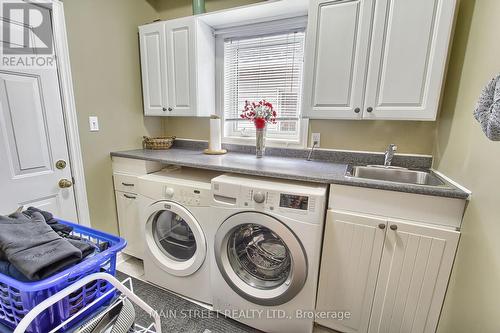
(154, 69)
(181, 64)
(413, 276)
(407, 59)
(336, 58)
(131, 228)
(350, 261)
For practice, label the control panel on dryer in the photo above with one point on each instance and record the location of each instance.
(187, 195)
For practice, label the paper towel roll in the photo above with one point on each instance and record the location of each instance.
(215, 134)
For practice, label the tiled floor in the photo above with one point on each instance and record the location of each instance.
(135, 268)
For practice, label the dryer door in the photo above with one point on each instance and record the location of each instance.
(260, 258)
(174, 238)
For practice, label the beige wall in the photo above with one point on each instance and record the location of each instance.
(465, 154)
(104, 54)
(411, 136)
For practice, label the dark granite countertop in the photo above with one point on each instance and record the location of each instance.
(293, 168)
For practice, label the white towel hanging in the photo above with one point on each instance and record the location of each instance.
(487, 111)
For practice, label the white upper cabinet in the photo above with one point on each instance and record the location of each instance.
(381, 59)
(408, 58)
(178, 68)
(180, 37)
(154, 69)
(336, 58)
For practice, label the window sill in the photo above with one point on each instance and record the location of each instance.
(250, 141)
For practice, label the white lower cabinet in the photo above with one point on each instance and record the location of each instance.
(127, 206)
(351, 256)
(414, 273)
(126, 173)
(390, 274)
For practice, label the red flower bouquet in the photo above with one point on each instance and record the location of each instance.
(259, 113)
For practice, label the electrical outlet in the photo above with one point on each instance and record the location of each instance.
(316, 139)
(93, 124)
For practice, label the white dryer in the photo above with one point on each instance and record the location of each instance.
(175, 217)
(267, 251)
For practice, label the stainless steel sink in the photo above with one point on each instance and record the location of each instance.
(397, 175)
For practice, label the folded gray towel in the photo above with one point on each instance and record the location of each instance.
(487, 111)
(33, 247)
(49, 218)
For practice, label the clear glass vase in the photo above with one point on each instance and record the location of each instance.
(260, 142)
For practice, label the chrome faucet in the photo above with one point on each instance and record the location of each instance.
(311, 151)
(389, 154)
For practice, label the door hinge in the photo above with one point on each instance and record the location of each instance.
(73, 179)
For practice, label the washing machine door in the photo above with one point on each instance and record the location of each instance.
(260, 258)
(174, 238)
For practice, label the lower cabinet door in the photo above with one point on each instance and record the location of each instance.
(131, 228)
(413, 277)
(351, 257)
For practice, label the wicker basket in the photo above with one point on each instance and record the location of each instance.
(158, 143)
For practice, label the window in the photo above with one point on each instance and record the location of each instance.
(264, 67)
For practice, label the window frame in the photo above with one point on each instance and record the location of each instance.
(248, 31)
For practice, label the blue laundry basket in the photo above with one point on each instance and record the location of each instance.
(18, 298)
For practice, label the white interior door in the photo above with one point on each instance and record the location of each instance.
(32, 140)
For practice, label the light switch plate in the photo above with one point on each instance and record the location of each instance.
(93, 124)
(316, 137)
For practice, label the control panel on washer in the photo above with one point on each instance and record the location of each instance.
(285, 197)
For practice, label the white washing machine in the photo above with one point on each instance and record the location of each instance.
(267, 251)
(176, 214)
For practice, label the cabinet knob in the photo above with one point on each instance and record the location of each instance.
(357, 110)
(170, 109)
(394, 227)
(381, 226)
(164, 109)
(370, 109)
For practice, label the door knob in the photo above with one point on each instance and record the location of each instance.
(64, 183)
(370, 109)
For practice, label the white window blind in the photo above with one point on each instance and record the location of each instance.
(264, 67)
